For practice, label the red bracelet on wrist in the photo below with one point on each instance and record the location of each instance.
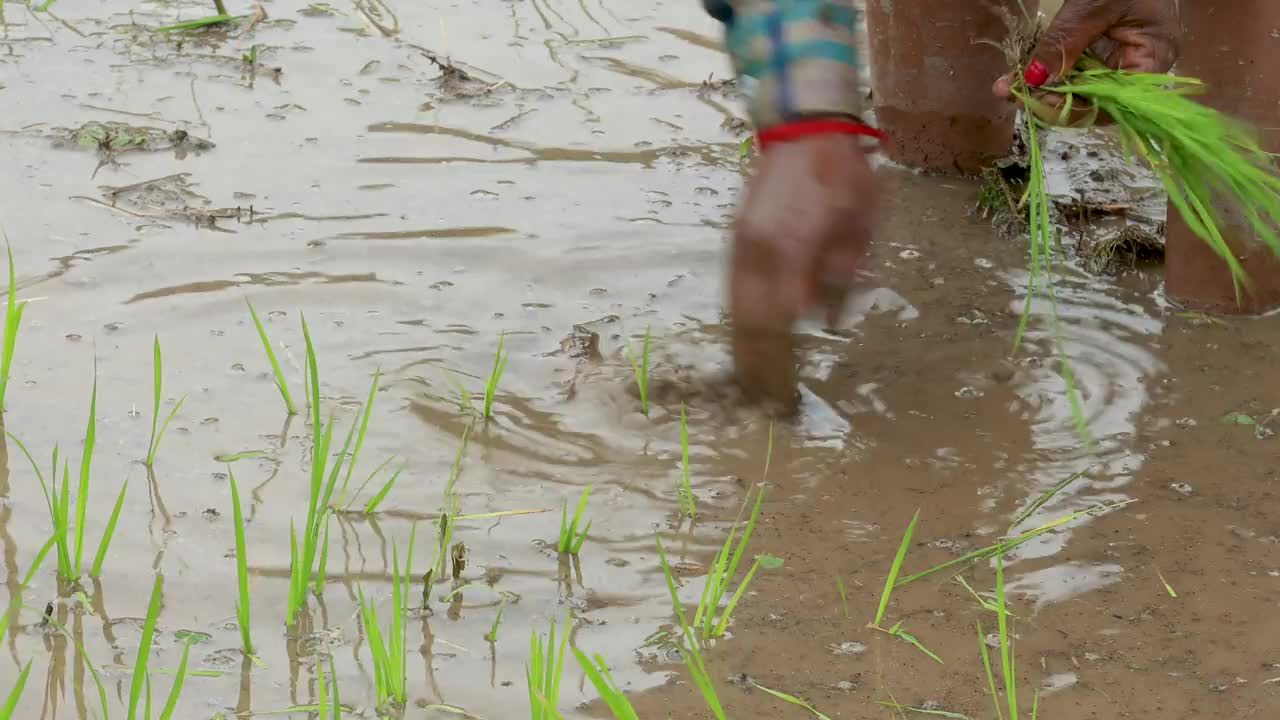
(797, 129)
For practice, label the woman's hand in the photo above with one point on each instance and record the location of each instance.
(1139, 35)
(806, 220)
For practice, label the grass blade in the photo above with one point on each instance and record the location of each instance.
(140, 672)
(640, 368)
(991, 677)
(11, 702)
(844, 599)
(281, 385)
(364, 426)
(242, 567)
(791, 699)
(377, 499)
(82, 492)
(176, 691)
(12, 320)
(598, 673)
(108, 533)
(686, 490)
(895, 569)
(495, 375)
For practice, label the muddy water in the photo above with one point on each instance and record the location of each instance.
(575, 180)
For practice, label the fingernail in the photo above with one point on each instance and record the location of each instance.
(1037, 74)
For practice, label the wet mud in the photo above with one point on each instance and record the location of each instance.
(419, 178)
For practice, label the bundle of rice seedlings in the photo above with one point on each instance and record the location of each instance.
(1205, 159)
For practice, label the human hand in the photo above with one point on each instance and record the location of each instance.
(805, 222)
(1138, 35)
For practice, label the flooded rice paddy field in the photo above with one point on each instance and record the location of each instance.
(418, 178)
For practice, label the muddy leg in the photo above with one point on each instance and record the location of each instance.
(1232, 46)
(932, 80)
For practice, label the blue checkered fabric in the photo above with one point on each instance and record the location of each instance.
(802, 53)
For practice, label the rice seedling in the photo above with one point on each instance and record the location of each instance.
(1008, 543)
(894, 705)
(242, 567)
(12, 320)
(640, 368)
(495, 375)
(1167, 587)
(685, 490)
(791, 699)
(281, 385)
(376, 500)
(154, 444)
(388, 650)
(723, 570)
(308, 556)
(544, 669)
(11, 702)
(364, 427)
(329, 706)
(492, 635)
(894, 569)
(571, 539)
(222, 16)
(598, 673)
(1202, 156)
(58, 501)
(689, 647)
(844, 599)
(141, 682)
(449, 509)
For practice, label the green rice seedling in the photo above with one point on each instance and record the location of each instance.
(140, 670)
(12, 320)
(389, 650)
(154, 444)
(894, 569)
(571, 539)
(1167, 587)
(171, 704)
(887, 592)
(82, 489)
(543, 671)
(108, 533)
(598, 673)
(15, 694)
(1007, 662)
(685, 490)
(281, 385)
(329, 706)
(378, 497)
(1202, 156)
(242, 567)
(364, 427)
(1044, 498)
(723, 570)
(1009, 543)
(791, 699)
(58, 501)
(449, 508)
(693, 656)
(640, 368)
(495, 375)
(492, 635)
(309, 555)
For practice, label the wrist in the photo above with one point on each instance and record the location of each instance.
(814, 126)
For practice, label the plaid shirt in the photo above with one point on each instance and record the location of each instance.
(802, 53)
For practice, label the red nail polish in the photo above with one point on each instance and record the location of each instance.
(1036, 74)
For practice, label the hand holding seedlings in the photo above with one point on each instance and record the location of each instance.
(1136, 35)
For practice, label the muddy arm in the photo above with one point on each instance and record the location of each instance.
(803, 55)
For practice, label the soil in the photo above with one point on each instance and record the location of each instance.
(418, 179)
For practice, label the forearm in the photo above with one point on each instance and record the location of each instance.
(802, 53)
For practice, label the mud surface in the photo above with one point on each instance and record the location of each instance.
(418, 178)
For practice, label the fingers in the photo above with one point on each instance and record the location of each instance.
(1077, 25)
